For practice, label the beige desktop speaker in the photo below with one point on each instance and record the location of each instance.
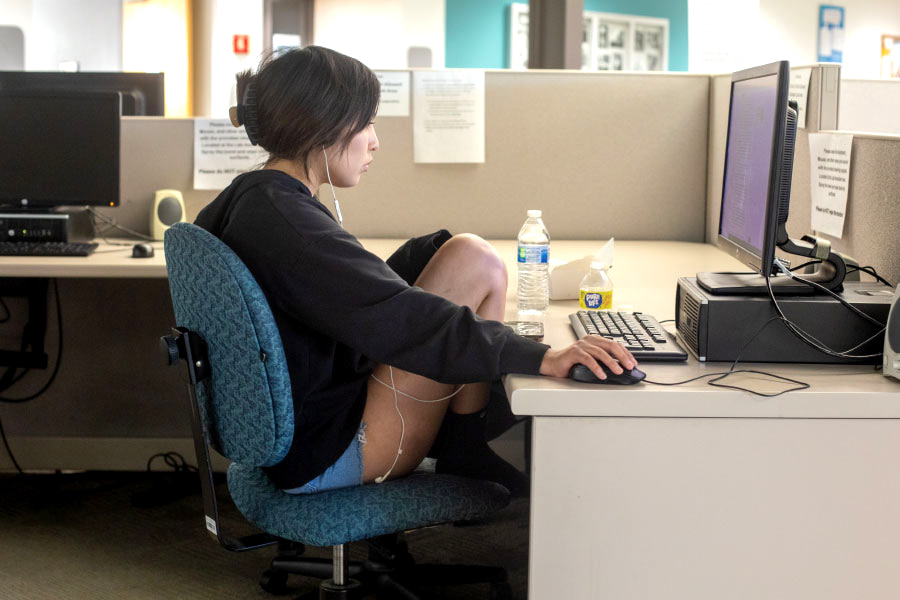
(168, 209)
(891, 364)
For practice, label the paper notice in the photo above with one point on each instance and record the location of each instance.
(221, 153)
(799, 90)
(829, 180)
(394, 93)
(448, 116)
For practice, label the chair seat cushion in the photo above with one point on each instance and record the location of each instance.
(361, 512)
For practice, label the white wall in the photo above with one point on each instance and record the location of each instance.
(379, 33)
(870, 106)
(721, 35)
(87, 31)
(230, 17)
(789, 29)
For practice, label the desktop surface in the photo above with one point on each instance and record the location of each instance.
(645, 276)
(111, 259)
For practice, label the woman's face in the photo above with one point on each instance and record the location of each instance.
(347, 168)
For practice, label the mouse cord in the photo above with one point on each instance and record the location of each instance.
(719, 376)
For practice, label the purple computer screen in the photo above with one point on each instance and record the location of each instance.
(751, 125)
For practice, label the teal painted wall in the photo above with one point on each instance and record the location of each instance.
(477, 33)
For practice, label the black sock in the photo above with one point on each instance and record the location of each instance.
(464, 451)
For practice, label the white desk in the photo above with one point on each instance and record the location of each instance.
(109, 260)
(700, 493)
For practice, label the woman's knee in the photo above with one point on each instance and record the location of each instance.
(477, 254)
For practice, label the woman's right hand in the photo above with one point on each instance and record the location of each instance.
(589, 351)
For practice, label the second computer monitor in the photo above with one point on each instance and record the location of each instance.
(59, 149)
(143, 94)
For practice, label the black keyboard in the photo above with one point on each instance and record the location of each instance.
(639, 332)
(47, 248)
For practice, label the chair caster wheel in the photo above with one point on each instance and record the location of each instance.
(274, 582)
(501, 591)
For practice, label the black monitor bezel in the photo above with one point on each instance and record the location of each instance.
(762, 262)
(41, 203)
(146, 89)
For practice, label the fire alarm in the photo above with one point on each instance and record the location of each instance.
(241, 44)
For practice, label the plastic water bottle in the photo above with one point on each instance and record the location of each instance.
(533, 290)
(595, 291)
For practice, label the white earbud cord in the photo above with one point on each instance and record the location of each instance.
(397, 394)
(337, 206)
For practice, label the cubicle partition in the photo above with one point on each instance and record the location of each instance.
(600, 153)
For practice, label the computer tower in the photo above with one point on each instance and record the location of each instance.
(726, 327)
(61, 225)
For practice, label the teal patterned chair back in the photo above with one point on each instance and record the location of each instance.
(247, 412)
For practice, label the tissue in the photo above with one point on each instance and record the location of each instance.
(565, 277)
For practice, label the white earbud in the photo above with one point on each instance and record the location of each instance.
(337, 206)
(397, 394)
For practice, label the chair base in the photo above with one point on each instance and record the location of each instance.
(389, 572)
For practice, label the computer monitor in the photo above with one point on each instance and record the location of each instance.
(143, 94)
(59, 149)
(756, 186)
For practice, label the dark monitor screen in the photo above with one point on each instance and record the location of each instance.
(754, 166)
(59, 149)
(143, 94)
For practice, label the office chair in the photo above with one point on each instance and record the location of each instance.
(241, 406)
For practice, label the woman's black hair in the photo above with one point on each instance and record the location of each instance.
(306, 98)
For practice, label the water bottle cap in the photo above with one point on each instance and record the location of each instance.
(535, 214)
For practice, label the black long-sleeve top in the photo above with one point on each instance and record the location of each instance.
(340, 310)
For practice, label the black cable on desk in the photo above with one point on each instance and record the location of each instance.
(112, 223)
(850, 269)
(719, 376)
(811, 340)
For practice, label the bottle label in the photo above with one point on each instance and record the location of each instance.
(595, 300)
(534, 254)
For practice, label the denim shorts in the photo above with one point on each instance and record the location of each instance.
(345, 472)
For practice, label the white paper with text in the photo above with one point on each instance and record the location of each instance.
(394, 100)
(448, 116)
(221, 153)
(829, 181)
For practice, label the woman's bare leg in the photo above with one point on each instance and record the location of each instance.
(467, 271)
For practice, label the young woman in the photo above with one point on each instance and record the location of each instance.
(382, 356)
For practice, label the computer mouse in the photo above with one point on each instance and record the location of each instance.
(142, 250)
(627, 377)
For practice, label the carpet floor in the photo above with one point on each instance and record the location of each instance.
(141, 536)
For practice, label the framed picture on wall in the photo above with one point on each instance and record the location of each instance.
(627, 43)
(609, 42)
(831, 33)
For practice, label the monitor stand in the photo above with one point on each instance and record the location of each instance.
(830, 273)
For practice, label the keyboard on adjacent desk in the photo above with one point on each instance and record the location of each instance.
(47, 248)
(639, 332)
